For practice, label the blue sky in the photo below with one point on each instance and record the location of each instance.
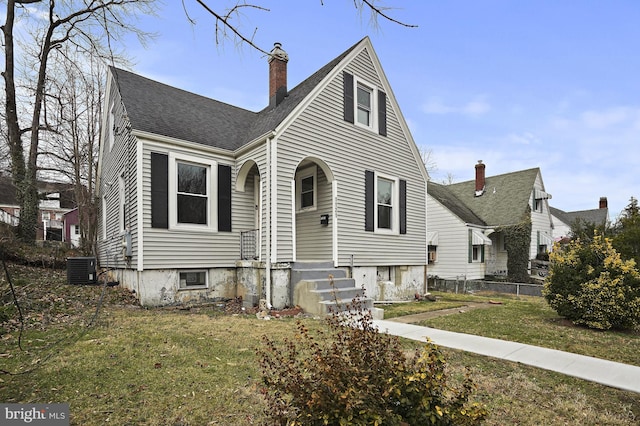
(517, 84)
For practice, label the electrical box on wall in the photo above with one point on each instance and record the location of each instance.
(81, 270)
(126, 245)
(324, 219)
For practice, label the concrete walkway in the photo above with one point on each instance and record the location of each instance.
(614, 374)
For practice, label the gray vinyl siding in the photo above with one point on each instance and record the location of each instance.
(313, 240)
(321, 132)
(169, 248)
(120, 159)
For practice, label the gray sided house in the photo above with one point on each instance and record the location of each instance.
(467, 222)
(203, 200)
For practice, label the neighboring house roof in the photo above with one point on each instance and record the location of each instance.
(447, 198)
(505, 199)
(8, 192)
(161, 109)
(595, 216)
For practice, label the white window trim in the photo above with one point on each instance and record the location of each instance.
(111, 123)
(193, 287)
(212, 193)
(373, 125)
(395, 204)
(121, 202)
(104, 217)
(311, 171)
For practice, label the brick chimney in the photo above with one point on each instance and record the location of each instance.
(480, 178)
(603, 203)
(278, 59)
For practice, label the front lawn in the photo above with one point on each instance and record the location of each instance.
(198, 366)
(525, 319)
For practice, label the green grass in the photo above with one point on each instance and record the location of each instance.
(403, 309)
(530, 320)
(196, 367)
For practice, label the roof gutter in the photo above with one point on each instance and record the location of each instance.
(252, 144)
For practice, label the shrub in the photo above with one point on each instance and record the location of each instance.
(518, 238)
(352, 374)
(589, 284)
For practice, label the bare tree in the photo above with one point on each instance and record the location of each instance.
(428, 159)
(83, 24)
(70, 150)
(226, 28)
(449, 179)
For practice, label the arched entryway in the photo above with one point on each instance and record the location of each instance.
(248, 184)
(315, 225)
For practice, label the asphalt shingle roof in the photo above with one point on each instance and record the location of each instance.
(505, 199)
(442, 194)
(165, 110)
(8, 194)
(595, 216)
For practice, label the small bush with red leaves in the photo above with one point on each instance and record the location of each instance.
(350, 374)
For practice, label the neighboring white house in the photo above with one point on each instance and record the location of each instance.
(457, 238)
(480, 210)
(562, 221)
(201, 199)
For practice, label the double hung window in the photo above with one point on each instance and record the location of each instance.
(190, 193)
(385, 203)
(192, 198)
(365, 104)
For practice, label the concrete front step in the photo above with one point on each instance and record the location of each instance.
(347, 306)
(320, 289)
(315, 270)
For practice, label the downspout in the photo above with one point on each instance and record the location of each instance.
(334, 210)
(267, 280)
(426, 238)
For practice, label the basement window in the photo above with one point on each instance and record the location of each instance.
(193, 279)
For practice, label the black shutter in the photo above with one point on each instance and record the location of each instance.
(403, 206)
(224, 198)
(159, 190)
(382, 113)
(347, 89)
(369, 201)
